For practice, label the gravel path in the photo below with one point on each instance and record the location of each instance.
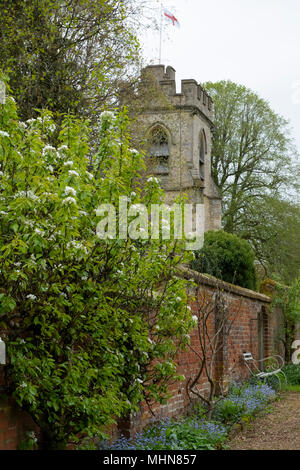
(279, 430)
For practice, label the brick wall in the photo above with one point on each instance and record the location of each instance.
(251, 319)
(245, 309)
(14, 423)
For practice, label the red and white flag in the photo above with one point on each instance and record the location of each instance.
(170, 18)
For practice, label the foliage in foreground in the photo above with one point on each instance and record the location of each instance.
(92, 326)
(292, 373)
(227, 257)
(242, 404)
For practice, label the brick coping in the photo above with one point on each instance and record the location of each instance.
(211, 281)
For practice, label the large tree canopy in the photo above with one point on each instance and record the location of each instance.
(254, 163)
(67, 55)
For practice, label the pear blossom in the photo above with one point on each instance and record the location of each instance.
(73, 173)
(48, 148)
(70, 190)
(4, 134)
(152, 179)
(31, 297)
(69, 200)
(62, 148)
(106, 114)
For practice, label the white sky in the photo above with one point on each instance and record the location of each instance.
(252, 42)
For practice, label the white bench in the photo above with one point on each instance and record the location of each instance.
(274, 368)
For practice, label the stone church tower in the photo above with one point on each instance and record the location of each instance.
(178, 133)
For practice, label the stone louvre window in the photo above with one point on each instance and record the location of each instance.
(159, 151)
(2, 352)
(201, 158)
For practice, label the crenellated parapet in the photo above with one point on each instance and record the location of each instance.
(192, 94)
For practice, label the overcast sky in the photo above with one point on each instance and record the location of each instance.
(252, 42)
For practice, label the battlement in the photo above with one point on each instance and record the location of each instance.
(192, 94)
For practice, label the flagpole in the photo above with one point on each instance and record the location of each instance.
(161, 31)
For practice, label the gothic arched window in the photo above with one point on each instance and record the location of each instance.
(202, 156)
(159, 150)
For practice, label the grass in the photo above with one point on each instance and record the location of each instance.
(290, 388)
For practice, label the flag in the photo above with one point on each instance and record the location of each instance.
(171, 18)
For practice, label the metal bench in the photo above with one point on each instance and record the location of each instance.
(273, 368)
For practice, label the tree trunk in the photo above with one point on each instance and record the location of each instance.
(48, 441)
(124, 426)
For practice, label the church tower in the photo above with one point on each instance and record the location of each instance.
(178, 134)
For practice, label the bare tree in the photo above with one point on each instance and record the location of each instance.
(214, 323)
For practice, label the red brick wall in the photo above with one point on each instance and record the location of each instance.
(244, 307)
(14, 423)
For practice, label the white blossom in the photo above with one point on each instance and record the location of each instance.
(70, 190)
(69, 200)
(4, 134)
(69, 163)
(195, 319)
(31, 297)
(153, 179)
(62, 148)
(77, 246)
(33, 436)
(48, 148)
(29, 194)
(107, 114)
(73, 173)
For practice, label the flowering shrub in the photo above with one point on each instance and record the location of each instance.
(89, 331)
(243, 401)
